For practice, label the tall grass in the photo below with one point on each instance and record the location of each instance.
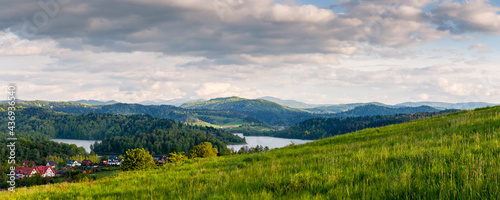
(448, 157)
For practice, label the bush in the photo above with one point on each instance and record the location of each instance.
(137, 159)
(203, 150)
(176, 157)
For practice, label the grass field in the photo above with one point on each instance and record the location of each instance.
(456, 156)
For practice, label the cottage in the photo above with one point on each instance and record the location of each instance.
(86, 162)
(93, 165)
(26, 163)
(162, 160)
(73, 163)
(114, 161)
(46, 171)
(22, 172)
(53, 164)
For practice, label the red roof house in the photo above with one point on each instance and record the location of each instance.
(46, 171)
(86, 162)
(26, 163)
(22, 172)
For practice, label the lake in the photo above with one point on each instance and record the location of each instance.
(252, 141)
(80, 143)
(271, 142)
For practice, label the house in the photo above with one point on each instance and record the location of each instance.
(53, 164)
(26, 163)
(86, 162)
(73, 163)
(93, 165)
(46, 171)
(114, 161)
(162, 160)
(22, 172)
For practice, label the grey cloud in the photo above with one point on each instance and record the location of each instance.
(468, 16)
(245, 27)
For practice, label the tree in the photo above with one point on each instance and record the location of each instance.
(137, 159)
(176, 157)
(104, 158)
(203, 150)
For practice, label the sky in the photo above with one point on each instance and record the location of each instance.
(321, 52)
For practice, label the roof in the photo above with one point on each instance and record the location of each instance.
(24, 170)
(52, 163)
(27, 163)
(43, 169)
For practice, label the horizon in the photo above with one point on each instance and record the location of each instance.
(316, 52)
(313, 104)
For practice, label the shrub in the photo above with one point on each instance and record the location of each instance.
(137, 159)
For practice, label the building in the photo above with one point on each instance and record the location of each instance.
(22, 172)
(53, 164)
(26, 163)
(114, 161)
(73, 163)
(46, 171)
(86, 162)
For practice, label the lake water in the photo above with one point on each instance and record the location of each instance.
(80, 143)
(252, 141)
(271, 142)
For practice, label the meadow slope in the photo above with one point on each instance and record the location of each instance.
(454, 156)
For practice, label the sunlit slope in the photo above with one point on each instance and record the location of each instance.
(454, 156)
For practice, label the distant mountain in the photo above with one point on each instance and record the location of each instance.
(267, 111)
(319, 128)
(162, 111)
(341, 107)
(290, 103)
(173, 102)
(94, 102)
(442, 105)
(373, 110)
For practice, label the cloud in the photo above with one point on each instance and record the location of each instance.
(219, 28)
(481, 48)
(214, 89)
(467, 16)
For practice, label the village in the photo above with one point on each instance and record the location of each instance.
(51, 169)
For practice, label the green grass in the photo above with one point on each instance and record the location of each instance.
(456, 156)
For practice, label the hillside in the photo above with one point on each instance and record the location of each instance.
(164, 134)
(373, 110)
(319, 128)
(455, 156)
(442, 105)
(289, 103)
(199, 117)
(341, 107)
(267, 111)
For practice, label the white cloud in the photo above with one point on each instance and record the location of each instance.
(481, 48)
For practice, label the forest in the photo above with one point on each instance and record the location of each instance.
(39, 123)
(160, 142)
(319, 128)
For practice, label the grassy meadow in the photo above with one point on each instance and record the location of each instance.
(456, 156)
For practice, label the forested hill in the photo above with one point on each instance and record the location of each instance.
(373, 110)
(161, 111)
(39, 123)
(267, 111)
(319, 128)
(454, 156)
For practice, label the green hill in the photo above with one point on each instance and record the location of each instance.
(139, 131)
(341, 107)
(373, 110)
(267, 111)
(455, 156)
(200, 117)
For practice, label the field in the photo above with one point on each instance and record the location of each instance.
(455, 156)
